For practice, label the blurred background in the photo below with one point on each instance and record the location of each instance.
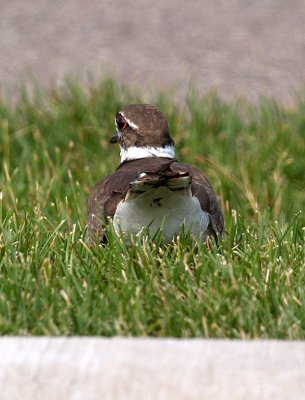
(239, 47)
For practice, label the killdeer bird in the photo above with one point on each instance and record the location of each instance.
(150, 188)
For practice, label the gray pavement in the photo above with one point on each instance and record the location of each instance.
(150, 369)
(240, 47)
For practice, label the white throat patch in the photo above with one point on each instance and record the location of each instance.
(134, 152)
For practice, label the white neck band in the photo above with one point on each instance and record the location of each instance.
(134, 152)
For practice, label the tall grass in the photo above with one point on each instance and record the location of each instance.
(54, 147)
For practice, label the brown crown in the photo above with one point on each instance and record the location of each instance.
(152, 126)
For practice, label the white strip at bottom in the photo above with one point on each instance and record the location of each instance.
(129, 369)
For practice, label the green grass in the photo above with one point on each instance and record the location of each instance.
(54, 147)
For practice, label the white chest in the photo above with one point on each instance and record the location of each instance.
(161, 208)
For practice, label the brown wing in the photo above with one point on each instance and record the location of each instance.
(107, 194)
(102, 203)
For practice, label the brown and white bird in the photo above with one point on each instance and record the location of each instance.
(150, 188)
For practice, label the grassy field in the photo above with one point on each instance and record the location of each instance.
(54, 147)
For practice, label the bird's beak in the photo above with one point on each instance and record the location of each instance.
(114, 139)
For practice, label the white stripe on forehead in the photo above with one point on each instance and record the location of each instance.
(130, 123)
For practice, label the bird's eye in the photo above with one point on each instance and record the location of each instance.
(121, 123)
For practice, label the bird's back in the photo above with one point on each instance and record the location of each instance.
(157, 192)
